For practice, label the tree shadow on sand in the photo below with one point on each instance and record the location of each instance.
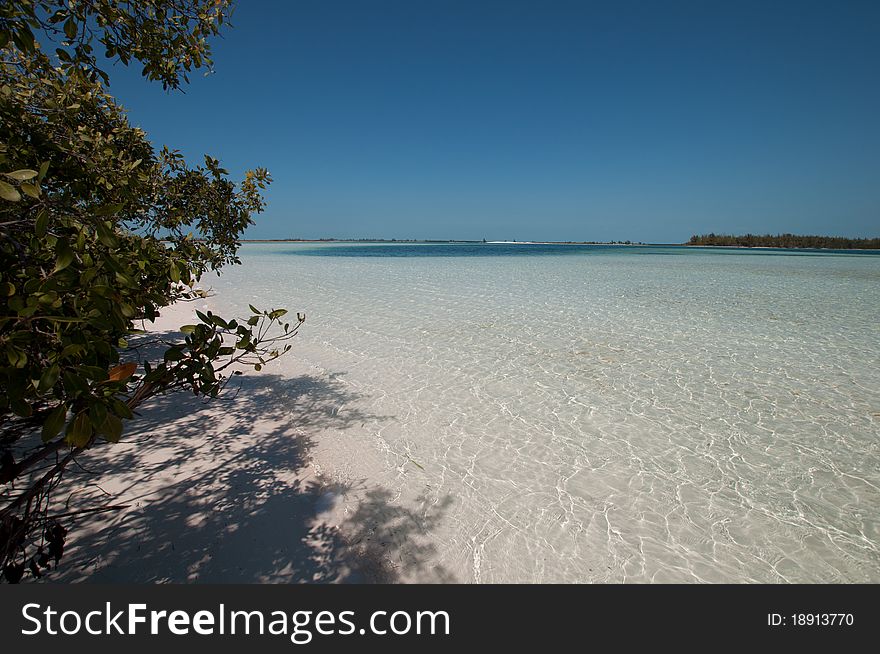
(222, 491)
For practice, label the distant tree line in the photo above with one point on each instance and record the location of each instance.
(786, 241)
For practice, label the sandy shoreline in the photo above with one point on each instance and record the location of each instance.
(228, 490)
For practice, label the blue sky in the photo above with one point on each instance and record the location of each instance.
(646, 121)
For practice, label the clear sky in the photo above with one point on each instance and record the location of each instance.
(647, 121)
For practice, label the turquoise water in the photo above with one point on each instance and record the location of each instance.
(541, 249)
(599, 413)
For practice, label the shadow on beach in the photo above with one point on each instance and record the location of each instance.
(222, 491)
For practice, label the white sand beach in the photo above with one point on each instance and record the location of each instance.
(227, 490)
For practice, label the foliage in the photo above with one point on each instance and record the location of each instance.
(168, 37)
(99, 232)
(787, 241)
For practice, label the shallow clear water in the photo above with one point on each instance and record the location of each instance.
(601, 413)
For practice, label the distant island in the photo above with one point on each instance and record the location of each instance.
(786, 241)
(704, 240)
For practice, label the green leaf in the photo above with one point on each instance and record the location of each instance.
(173, 354)
(74, 384)
(42, 223)
(121, 409)
(24, 39)
(105, 235)
(188, 329)
(98, 413)
(95, 373)
(277, 313)
(70, 29)
(31, 190)
(109, 209)
(54, 422)
(9, 192)
(44, 168)
(17, 358)
(87, 276)
(64, 254)
(22, 175)
(72, 350)
(7, 289)
(80, 430)
(49, 378)
(254, 309)
(111, 428)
